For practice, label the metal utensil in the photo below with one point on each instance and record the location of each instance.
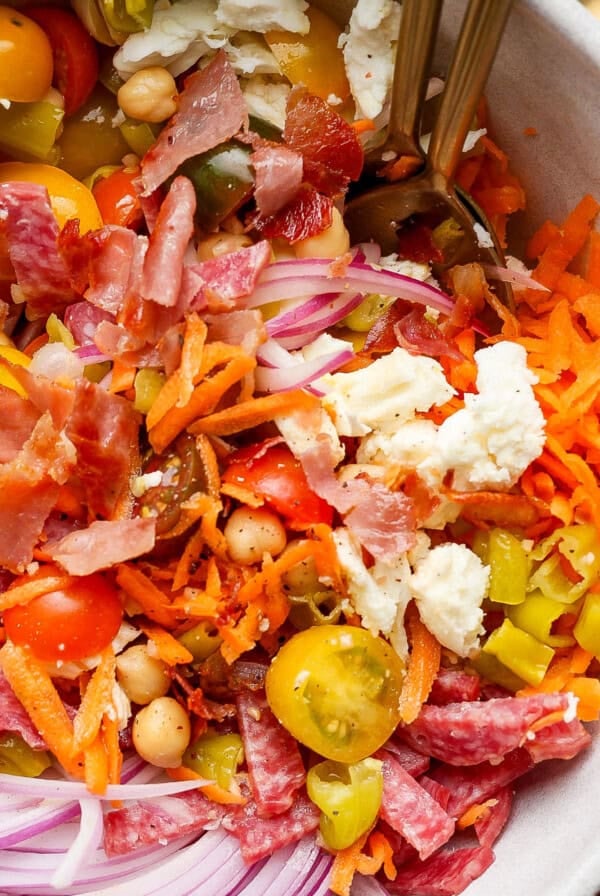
(378, 213)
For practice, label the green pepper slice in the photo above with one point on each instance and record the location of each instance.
(223, 179)
(349, 797)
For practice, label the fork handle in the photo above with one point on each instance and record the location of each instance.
(473, 57)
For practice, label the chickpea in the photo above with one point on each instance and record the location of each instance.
(218, 244)
(149, 95)
(162, 732)
(252, 532)
(301, 578)
(142, 677)
(330, 243)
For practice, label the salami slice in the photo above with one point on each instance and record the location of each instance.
(472, 732)
(261, 837)
(159, 820)
(411, 811)
(489, 828)
(274, 762)
(411, 761)
(444, 874)
(454, 686)
(562, 740)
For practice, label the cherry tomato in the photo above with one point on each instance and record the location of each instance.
(336, 688)
(74, 52)
(69, 198)
(70, 624)
(274, 474)
(118, 199)
(25, 58)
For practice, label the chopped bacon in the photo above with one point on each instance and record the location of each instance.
(491, 825)
(103, 544)
(245, 328)
(104, 430)
(162, 271)
(562, 740)
(381, 338)
(306, 215)
(211, 110)
(29, 485)
(278, 175)
(109, 268)
(274, 763)
(410, 810)
(476, 783)
(446, 873)
(19, 417)
(420, 336)
(153, 821)
(333, 154)
(468, 733)
(220, 283)
(261, 837)
(32, 235)
(14, 718)
(454, 686)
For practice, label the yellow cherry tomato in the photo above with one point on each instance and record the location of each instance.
(312, 59)
(69, 198)
(26, 65)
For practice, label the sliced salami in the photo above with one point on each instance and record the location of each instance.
(274, 762)
(445, 874)
(562, 740)
(261, 837)
(489, 828)
(454, 686)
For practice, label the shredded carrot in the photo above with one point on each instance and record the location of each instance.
(344, 867)
(151, 600)
(475, 813)
(241, 494)
(252, 413)
(110, 738)
(191, 355)
(530, 132)
(423, 666)
(96, 770)
(25, 590)
(551, 719)
(96, 698)
(363, 125)
(212, 791)
(381, 857)
(35, 689)
(592, 273)
(188, 557)
(168, 648)
(122, 376)
(401, 168)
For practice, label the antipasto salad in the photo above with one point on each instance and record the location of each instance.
(299, 543)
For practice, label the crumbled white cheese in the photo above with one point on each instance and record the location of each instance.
(449, 585)
(250, 55)
(484, 239)
(379, 594)
(301, 429)
(412, 443)
(264, 15)
(266, 98)
(386, 394)
(179, 36)
(368, 49)
(490, 442)
(414, 269)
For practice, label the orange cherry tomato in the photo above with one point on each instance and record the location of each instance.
(26, 65)
(118, 198)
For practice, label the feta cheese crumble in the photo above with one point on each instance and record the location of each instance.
(449, 585)
(264, 15)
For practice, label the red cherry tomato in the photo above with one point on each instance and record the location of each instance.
(273, 473)
(118, 199)
(69, 624)
(74, 51)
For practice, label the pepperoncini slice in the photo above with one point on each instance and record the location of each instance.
(29, 130)
(349, 797)
(57, 332)
(587, 627)
(489, 667)
(147, 384)
(216, 757)
(18, 758)
(537, 614)
(520, 652)
(368, 312)
(509, 567)
(128, 16)
(579, 546)
(202, 640)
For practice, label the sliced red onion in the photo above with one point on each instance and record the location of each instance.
(301, 311)
(90, 354)
(29, 822)
(370, 253)
(307, 277)
(522, 279)
(336, 310)
(87, 841)
(280, 379)
(73, 790)
(367, 886)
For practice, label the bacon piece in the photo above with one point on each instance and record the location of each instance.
(104, 429)
(261, 837)
(14, 719)
(29, 485)
(562, 740)
(476, 783)
(489, 828)
(219, 283)
(46, 395)
(245, 328)
(19, 417)
(274, 762)
(159, 820)
(470, 732)
(211, 110)
(454, 686)
(278, 175)
(162, 271)
(109, 268)
(411, 811)
(103, 544)
(422, 337)
(32, 235)
(333, 154)
(445, 874)
(307, 214)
